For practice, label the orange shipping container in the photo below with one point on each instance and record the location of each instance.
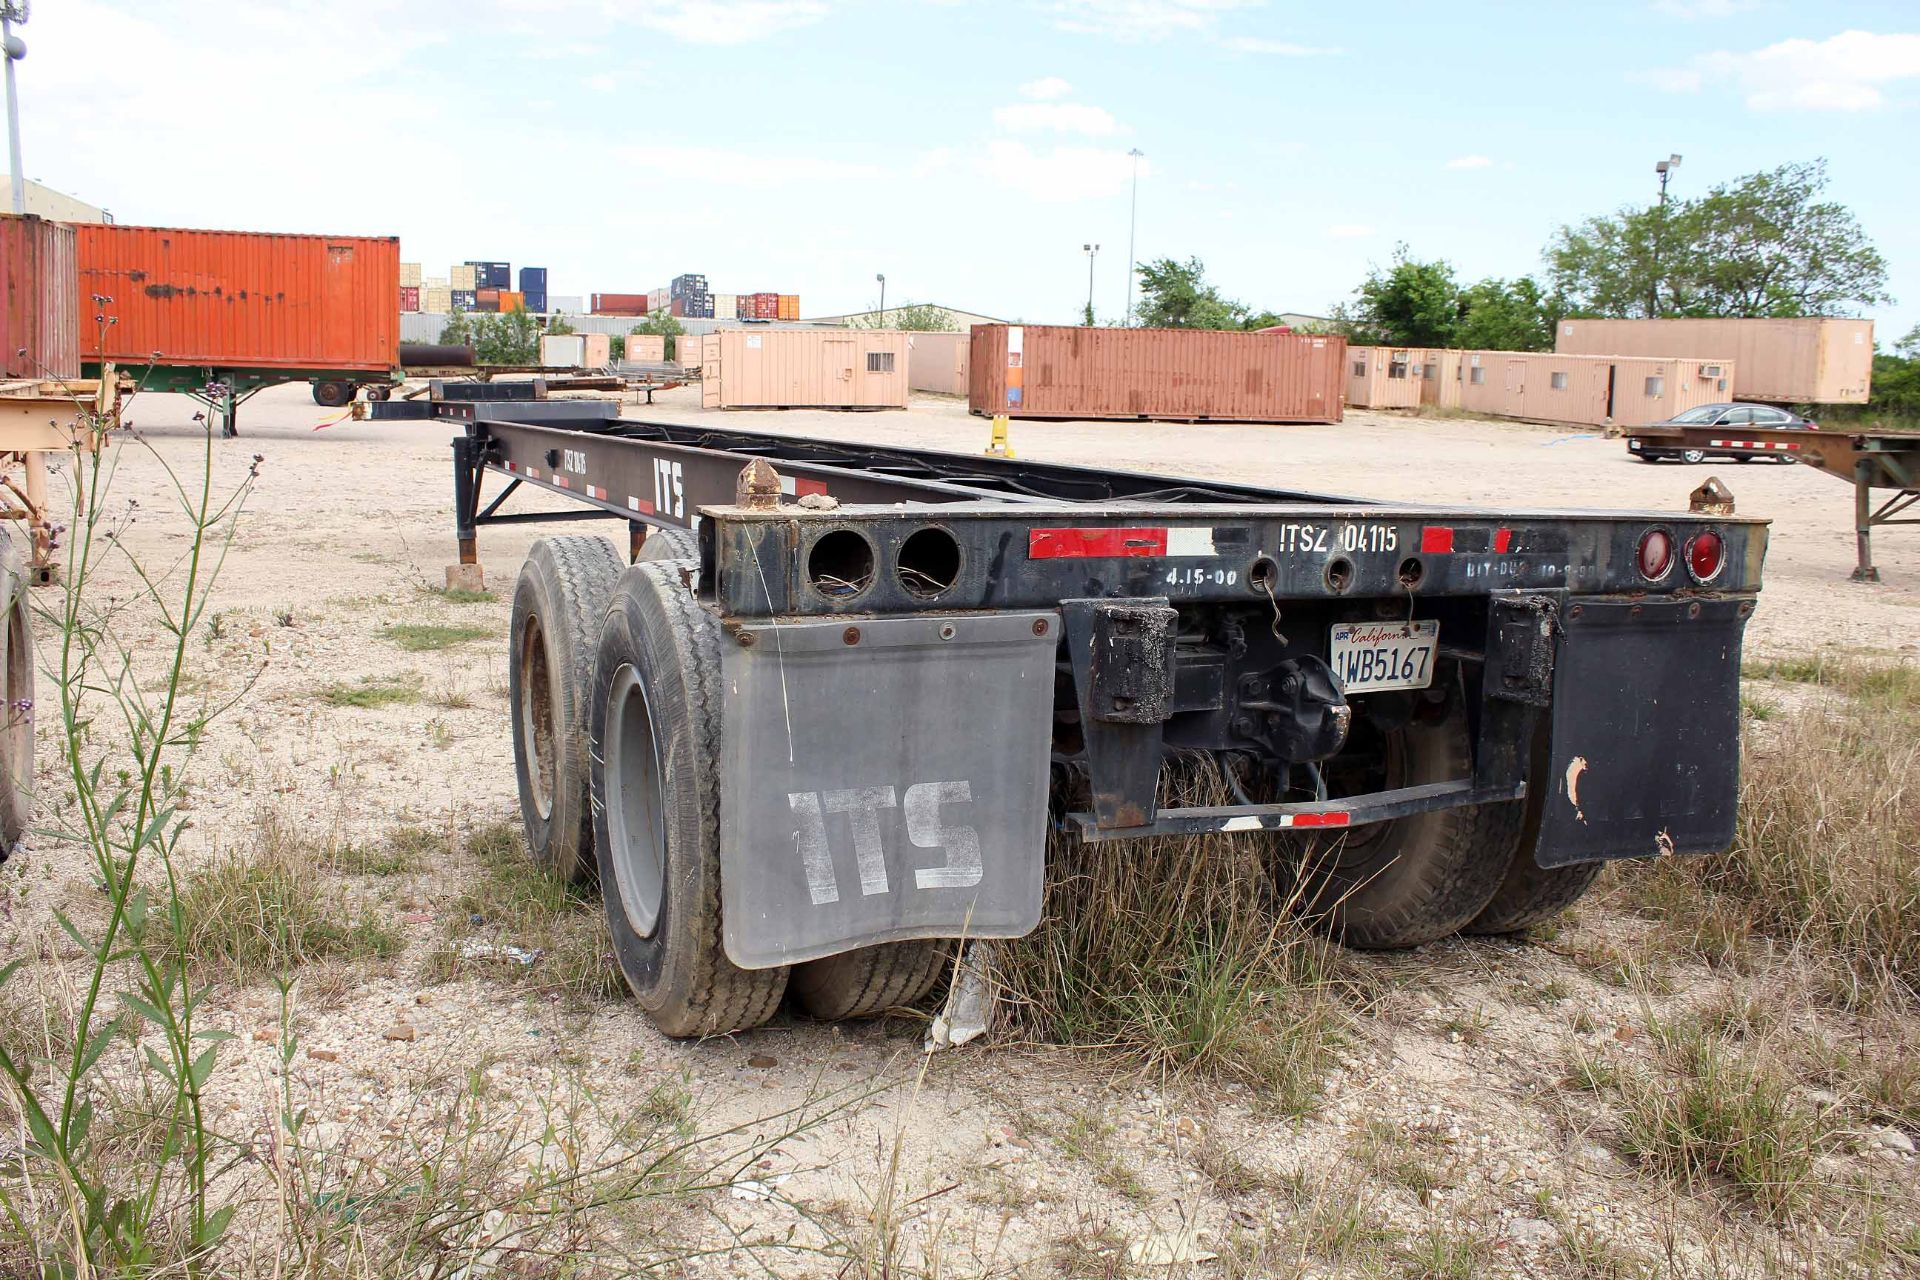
(39, 299)
(1588, 390)
(1795, 360)
(803, 368)
(1384, 377)
(1048, 371)
(511, 299)
(243, 299)
(938, 362)
(789, 306)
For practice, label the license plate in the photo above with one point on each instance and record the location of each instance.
(1369, 657)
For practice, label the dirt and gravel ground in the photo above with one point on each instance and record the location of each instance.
(995, 1159)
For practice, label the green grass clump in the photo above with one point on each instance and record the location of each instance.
(430, 637)
(514, 902)
(372, 691)
(253, 915)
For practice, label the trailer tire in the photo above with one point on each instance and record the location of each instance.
(668, 544)
(655, 731)
(1532, 893)
(331, 394)
(858, 984)
(558, 604)
(16, 737)
(1414, 879)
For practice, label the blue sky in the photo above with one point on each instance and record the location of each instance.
(967, 150)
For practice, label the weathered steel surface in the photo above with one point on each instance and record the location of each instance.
(39, 299)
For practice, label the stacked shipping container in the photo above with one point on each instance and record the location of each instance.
(491, 275)
(1037, 371)
(617, 304)
(409, 297)
(533, 283)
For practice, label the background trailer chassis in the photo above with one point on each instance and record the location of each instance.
(889, 673)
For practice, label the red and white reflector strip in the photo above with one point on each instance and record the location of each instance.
(1772, 446)
(641, 505)
(561, 482)
(1437, 540)
(595, 492)
(1104, 544)
(801, 486)
(1252, 823)
(520, 469)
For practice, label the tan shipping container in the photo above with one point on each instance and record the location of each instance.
(1797, 360)
(409, 274)
(463, 275)
(804, 368)
(437, 298)
(599, 351)
(646, 348)
(1384, 377)
(937, 362)
(1062, 371)
(1589, 390)
(1440, 379)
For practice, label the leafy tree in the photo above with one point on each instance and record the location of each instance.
(1176, 295)
(1507, 315)
(1410, 304)
(1763, 245)
(458, 330)
(513, 338)
(912, 317)
(559, 325)
(617, 347)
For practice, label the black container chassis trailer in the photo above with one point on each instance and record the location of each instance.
(824, 723)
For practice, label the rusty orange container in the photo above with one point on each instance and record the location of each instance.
(1059, 371)
(39, 299)
(242, 299)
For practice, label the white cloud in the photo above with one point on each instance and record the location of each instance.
(1046, 89)
(1349, 231)
(723, 22)
(1059, 174)
(602, 83)
(1841, 73)
(718, 166)
(1278, 48)
(1134, 20)
(1470, 162)
(1060, 117)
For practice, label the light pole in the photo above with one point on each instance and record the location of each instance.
(881, 276)
(1665, 169)
(1133, 215)
(1092, 251)
(13, 48)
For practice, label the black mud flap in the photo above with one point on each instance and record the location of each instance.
(1646, 730)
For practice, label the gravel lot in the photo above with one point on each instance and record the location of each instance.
(347, 531)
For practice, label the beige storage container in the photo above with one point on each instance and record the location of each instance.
(1798, 360)
(563, 350)
(804, 368)
(463, 276)
(1588, 390)
(598, 352)
(409, 274)
(937, 362)
(1384, 377)
(437, 299)
(726, 306)
(646, 348)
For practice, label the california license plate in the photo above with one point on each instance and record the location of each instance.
(1369, 657)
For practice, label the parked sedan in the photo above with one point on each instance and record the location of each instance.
(1735, 417)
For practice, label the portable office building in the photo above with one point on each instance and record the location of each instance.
(1384, 377)
(1589, 390)
(1059, 371)
(1440, 379)
(803, 368)
(1793, 360)
(937, 362)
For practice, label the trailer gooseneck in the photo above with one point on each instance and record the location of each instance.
(819, 728)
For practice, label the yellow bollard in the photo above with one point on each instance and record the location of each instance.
(998, 446)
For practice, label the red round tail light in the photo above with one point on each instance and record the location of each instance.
(1656, 554)
(1705, 555)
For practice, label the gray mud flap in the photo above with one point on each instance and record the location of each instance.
(1646, 730)
(893, 787)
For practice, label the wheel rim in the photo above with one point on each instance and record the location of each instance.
(1694, 455)
(636, 833)
(537, 717)
(1383, 766)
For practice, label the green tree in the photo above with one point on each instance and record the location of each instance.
(560, 325)
(1410, 304)
(1176, 295)
(665, 324)
(1507, 315)
(513, 338)
(458, 330)
(1767, 244)
(912, 317)
(617, 347)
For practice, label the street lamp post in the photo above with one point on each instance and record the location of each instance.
(13, 48)
(881, 276)
(1092, 251)
(1665, 169)
(1133, 216)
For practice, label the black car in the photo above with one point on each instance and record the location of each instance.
(1733, 417)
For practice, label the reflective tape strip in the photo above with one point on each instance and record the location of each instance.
(1436, 539)
(1091, 544)
(641, 505)
(1252, 823)
(595, 492)
(1783, 446)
